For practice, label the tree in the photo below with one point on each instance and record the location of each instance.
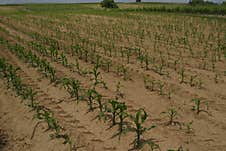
(196, 2)
(108, 4)
(138, 0)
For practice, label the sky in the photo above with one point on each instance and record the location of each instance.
(87, 1)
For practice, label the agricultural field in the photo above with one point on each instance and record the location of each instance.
(79, 77)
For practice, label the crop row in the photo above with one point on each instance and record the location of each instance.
(42, 114)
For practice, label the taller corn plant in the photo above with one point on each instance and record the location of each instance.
(139, 129)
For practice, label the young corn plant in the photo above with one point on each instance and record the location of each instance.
(149, 83)
(128, 55)
(91, 95)
(142, 59)
(100, 106)
(118, 90)
(78, 69)
(63, 59)
(52, 73)
(3, 68)
(73, 87)
(189, 128)
(96, 77)
(45, 115)
(197, 107)
(113, 110)
(182, 73)
(192, 79)
(216, 78)
(172, 114)
(161, 86)
(123, 71)
(53, 53)
(122, 114)
(31, 97)
(139, 129)
(175, 65)
(146, 62)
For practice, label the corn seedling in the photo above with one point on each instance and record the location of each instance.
(182, 73)
(189, 128)
(63, 59)
(139, 129)
(149, 83)
(113, 110)
(169, 94)
(146, 62)
(73, 87)
(96, 77)
(197, 107)
(91, 95)
(118, 90)
(123, 71)
(216, 78)
(53, 53)
(172, 114)
(100, 105)
(122, 113)
(192, 80)
(161, 86)
(32, 95)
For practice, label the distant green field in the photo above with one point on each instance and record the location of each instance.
(123, 7)
(183, 8)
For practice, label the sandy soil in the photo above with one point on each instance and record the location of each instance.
(17, 126)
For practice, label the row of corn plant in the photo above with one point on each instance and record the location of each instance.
(157, 86)
(43, 114)
(27, 56)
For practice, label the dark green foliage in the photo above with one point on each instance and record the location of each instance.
(201, 9)
(108, 4)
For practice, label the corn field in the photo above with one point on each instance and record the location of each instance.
(98, 80)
